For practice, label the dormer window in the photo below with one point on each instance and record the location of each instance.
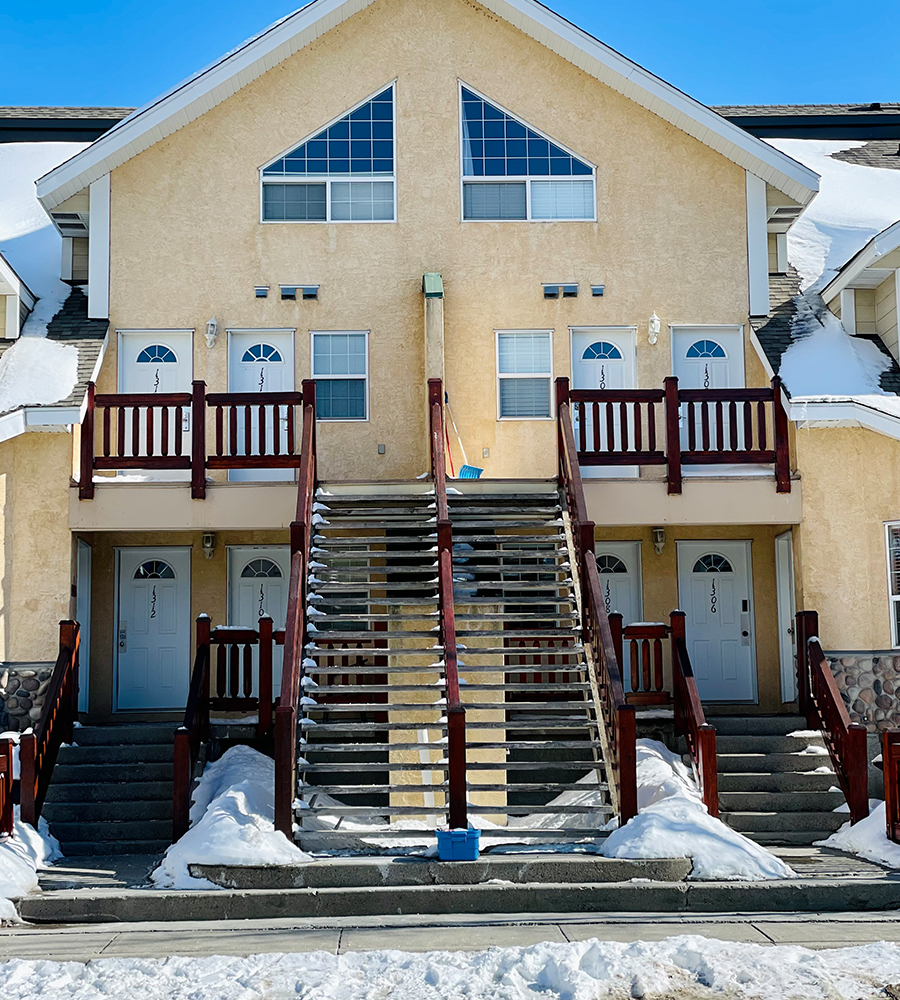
(512, 172)
(344, 173)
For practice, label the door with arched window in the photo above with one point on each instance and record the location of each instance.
(258, 584)
(261, 361)
(153, 628)
(603, 358)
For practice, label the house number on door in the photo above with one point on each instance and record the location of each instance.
(713, 599)
(602, 376)
(606, 598)
(261, 601)
(262, 379)
(153, 604)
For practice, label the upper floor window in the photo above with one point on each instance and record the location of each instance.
(340, 366)
(512, 172)
(345, 173)
(524, 373)
(893, 555)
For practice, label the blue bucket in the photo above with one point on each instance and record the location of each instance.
(458, 845)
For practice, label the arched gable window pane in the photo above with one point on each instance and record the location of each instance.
(706, 349)
(602, 351)
(712, 563)
(157, 354)
(610, 564)
(154, 569)
(261, 568)
(262, 352)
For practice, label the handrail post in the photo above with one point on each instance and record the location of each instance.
(7, 822)
(627, 750)
(673, 436)
(27, 778)
(203, 630)
(86, 477)
(68, 641)
(265, 675)
(708, 768)
(285, 765)
(677, 622)
(856, 765)
(807, 627)
(198, 439)
(616, 627)
(890, 740)
(562, 399)
(782, 439)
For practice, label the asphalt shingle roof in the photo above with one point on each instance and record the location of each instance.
(114, 114)
(881, 153)
(769, 110)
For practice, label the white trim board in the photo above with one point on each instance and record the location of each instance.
(211, 86)
(845, 412)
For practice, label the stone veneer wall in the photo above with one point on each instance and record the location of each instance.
(23, 687)
(869, 683)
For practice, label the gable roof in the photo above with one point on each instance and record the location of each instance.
(879, 246)
(218, 81)
(816, 121)
(57, 124)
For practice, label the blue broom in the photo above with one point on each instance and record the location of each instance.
(466, 471)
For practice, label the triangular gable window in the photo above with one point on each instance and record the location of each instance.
(512, 172)
(345, 173)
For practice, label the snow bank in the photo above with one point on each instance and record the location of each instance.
(854, 203)
(867, 838)
(36, 370)
(27, 238)
(232, 822)
(673, 822)
(20, 857)
(678, 968)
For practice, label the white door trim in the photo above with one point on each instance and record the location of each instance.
(711, 328)
(786, 601)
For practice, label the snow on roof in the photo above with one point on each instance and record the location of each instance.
(36, 371)
(880, 244)
(28, 240)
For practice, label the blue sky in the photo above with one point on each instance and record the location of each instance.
(727, 52)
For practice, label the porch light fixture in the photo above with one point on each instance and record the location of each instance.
(262, 291)
(208, 544)
(654, 328)
(659, 540)
(212, 330)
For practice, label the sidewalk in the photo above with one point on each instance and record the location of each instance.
(460, 933)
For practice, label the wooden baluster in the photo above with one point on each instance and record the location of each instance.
(595, 424)
(150, 449)
(623, 422)
(704, 424)
(761, 425)
(638, 428)
(276, 429)
(261, 436)
(234, 667)
(720, 427)
(120, 431)
(221, 670)
(692, 428)
(232, 430)
(733, 425)
(658, 664)
(290, 430)
(645, 664)
(164, 431)
(265, 675)
(107, 416)
(651, 426)
(135, 431)
(179, 431)
(220, 432)
(635, 670)
(248, 671)
(610, 428)
(248, 430)
(582, 428)
(748, 425)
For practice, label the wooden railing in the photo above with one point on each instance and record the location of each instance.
(690, 720)
(6, 788)
(623, 427)
(890, 758)
(645, 649)
(38, 750)
(167, 431)
(192, 734)
(820, 701)
(287, 710)
(456, 713)
(618, 715)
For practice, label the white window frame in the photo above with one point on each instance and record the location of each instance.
(528, 375)
(331, 378)
(463, 180)
(893, 599)
(328, 179)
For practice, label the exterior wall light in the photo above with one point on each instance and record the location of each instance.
(654, 328)
(212, 331)
(659, 540)
(208, 544)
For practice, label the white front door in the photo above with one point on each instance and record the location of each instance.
(603, 358)
(715, 590)
(619, 566)
(261, 361)
(153, 634)
(258, 579)
(784, 586)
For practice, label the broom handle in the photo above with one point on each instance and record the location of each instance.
(449, 452)
(458, 438)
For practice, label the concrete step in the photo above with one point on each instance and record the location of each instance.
(78, 792)
(95, 849)
(736, 763)
(127, 735)
(120, 832)
(784, 822)
(759, 725)
(121, 774)
(81, 813)
(141, 753)
(767, 802)
(787, 781)
(765, 744)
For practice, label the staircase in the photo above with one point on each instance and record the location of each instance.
(112, 793)
(373, 717)
(769, 789)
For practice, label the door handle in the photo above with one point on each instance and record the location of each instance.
(123, 637)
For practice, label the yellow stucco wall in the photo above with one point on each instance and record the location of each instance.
(36, 556)
(851, 486)
(187, 244)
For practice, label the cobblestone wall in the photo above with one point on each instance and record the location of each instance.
(22, 692)
(870, 686)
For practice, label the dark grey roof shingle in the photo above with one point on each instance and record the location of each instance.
(51, 113)
(790, 110)
(881, 153)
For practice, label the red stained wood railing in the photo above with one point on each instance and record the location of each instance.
(6, 787)
(645, 655)
(38, 750)
(618, 715)
(192, 733)
(456, 713)
(164, 431)
(820, 701)
(690, 719)
(890, 757)
(287, 710)
(622, 427)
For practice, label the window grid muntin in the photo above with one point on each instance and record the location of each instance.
(154, 569)
(542, 376)
(603, 351)
(262, 568)
(155, 354)
(608, 563)
(262, 354)
(712, 562)
(319, 336)
(706, 349)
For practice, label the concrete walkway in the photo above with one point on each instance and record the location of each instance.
(462, 933)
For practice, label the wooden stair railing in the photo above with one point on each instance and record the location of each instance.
(287, 710)
(192, 734)
(456, 713)
(820, 701)
(6, 788)
(645, 647)
(617, 715)
(690, 720)
(38, 750)
(890, 757)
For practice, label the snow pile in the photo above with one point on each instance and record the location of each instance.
(232, 822)
(684, 967)
(28, 240)
(20, 857)
(36, 370)
(673, 822)
(867, 838)
(854, 203)
(824, 359)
